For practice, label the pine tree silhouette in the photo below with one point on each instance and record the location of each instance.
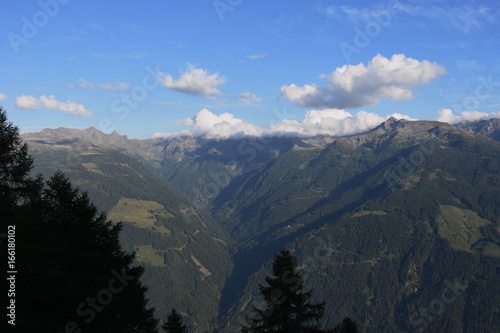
(15, 166)
(174, 323)
(346, 326)
(288, 308)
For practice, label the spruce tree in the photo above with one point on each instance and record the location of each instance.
(288, 308)
(75, 273)
(174, 323)
(15, 166)
(346, 326)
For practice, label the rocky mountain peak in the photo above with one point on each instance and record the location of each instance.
(489, 128)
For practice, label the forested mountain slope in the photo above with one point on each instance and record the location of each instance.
(184, 252)
(383, 222)
(398, 228)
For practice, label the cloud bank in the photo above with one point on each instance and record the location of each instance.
(194, 81)
(447, 116)
(3, 97)
(51, 103)
(334, 122)
(353, 86)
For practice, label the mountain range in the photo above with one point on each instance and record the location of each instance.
(398, 228)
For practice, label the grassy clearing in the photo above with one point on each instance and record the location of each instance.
(92, 167)
(147, 254)
(140, 212)
(461, 227)
(488, 249)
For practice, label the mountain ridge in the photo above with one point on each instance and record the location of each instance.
(489, 128)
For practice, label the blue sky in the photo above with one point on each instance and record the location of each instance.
(229, 67)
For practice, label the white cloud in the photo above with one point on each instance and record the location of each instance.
(334, 122)
(194, 81)
(26, 102)
(210, 125)
(247, 98)
(256, 56)
(84, 84)
(3, 97)
(50, 102)
(352, 86)
(448, 116)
